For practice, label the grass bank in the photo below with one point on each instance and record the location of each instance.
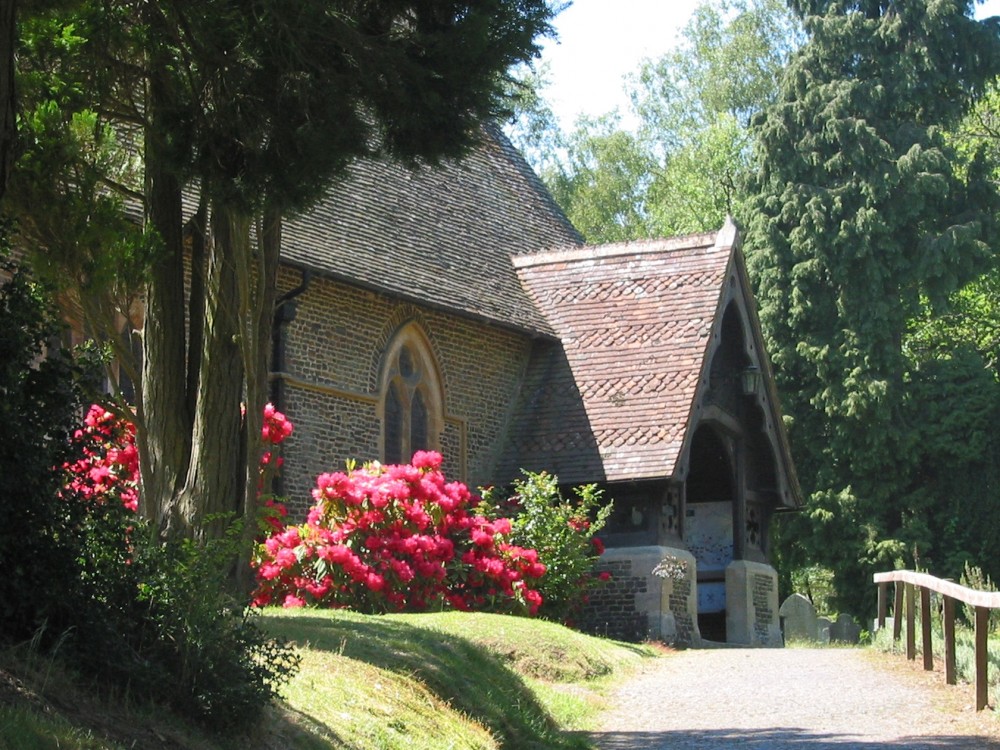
(434, 681)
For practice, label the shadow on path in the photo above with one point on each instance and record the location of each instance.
(777, 738)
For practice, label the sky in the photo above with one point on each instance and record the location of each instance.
(600, 41)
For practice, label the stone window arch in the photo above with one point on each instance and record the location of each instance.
(411, 403)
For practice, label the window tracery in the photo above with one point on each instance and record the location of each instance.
(411, 398)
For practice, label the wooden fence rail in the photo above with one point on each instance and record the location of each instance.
(906, 582)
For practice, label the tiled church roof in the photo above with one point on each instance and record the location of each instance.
(440, 236)
(634, 320)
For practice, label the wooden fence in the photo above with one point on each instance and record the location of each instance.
(906, 582)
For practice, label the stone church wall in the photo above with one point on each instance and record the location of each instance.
(331, 368)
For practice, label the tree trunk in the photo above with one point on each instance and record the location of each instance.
(163, 424)
(196, 294)
(258, 284)
(8, 101)
(213, 492)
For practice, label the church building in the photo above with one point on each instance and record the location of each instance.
(457, 309)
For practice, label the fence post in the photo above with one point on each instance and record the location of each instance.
(883, 592)
(897, 610)
(949, 641)
(982, 630)
(911, 630)
(925, 627)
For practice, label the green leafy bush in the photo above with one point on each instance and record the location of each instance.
(144, 619)
(562, 531)
(174, 634)
(157, 617)
(38, 404)
(973, 577)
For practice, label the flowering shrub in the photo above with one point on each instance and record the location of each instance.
(671, 567)
(563, 532)
(394, 538)
(155, 615)
(276, 429)
(108, 465)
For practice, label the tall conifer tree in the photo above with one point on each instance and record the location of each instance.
(860, 214)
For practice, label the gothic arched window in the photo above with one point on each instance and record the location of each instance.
(411, 399)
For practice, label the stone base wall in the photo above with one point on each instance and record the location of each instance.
(638, 604)
(752, 605)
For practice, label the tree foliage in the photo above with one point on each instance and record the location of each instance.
(860, 217)
(532, 125)
(729, 62)
(683, 168)
(603, 192)
(255, 112)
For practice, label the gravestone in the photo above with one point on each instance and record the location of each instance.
(845, 630)
(798, 618)
(823, 625)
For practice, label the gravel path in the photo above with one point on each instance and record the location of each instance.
(793, 699)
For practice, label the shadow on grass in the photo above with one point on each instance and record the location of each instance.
(777, 738)
(455, 669)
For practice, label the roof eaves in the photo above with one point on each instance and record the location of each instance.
(598, 252)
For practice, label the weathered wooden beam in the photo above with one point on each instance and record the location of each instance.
(990, 599)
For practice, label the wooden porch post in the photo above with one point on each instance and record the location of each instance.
(740, 501)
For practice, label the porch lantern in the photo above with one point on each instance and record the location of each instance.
(751, 380)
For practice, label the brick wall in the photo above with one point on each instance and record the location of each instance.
(333, 355)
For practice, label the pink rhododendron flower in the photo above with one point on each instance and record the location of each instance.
(285, 558)
(426, 460)
(481, 538)
(269, 571)
(276, 427)
(396, 537)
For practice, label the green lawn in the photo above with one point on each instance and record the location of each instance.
(434, 681)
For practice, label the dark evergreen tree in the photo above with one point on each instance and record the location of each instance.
(7, 99)
(860, 217)
(257, 108)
